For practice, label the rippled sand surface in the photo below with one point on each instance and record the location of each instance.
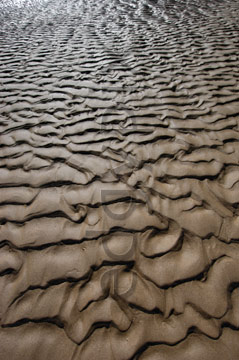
(119, 180)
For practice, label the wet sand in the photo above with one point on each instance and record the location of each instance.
(119, 179)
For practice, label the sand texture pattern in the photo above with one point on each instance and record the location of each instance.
(119, 180)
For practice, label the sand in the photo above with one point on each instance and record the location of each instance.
(119, 175)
